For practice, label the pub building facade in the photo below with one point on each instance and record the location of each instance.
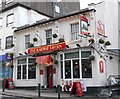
(73, 55)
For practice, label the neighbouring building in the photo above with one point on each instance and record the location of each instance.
(12, 16)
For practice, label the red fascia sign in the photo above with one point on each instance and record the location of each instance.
(47, 48)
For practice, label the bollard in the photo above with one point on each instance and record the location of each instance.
(39, 89)
(58, 91)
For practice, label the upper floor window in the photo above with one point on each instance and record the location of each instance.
(27, 41)
(57, 9)
(9, 42)
(0, 44)
(0, 22)
(74, 31)
(10, 19)
(48, 36)
(8, 1)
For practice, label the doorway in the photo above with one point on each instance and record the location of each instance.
(50, 77)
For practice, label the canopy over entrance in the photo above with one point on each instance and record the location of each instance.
(45, 60)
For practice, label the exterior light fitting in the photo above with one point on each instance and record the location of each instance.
(78, 45)
(26, 53)
(20, 54)
(67, 46)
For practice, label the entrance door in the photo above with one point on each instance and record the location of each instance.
(50, 77)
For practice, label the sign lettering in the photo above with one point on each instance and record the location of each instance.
(48, 48)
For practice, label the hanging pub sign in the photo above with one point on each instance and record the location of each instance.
(47, 48)
(84, 25)
(101, 66)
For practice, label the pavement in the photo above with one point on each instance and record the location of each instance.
(33, 94)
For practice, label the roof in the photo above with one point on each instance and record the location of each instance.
(13, 5)
(53, 19)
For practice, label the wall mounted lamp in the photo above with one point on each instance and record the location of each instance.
(67, 46)
(78, 45)
(20, 54)
(26, 53)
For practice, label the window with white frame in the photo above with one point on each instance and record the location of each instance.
(31, 68)
(74, 31)
(10, 19)
(18, 72)
(8, 1)
(71, 65)
(57, 9)
(86, 64)
(27, 41)
(22, 69)
(9, 42)
(0, 22)
(49, 36)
